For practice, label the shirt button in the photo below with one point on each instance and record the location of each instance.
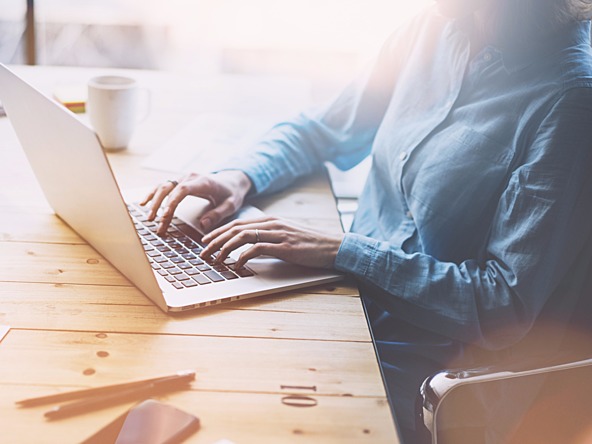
(403, 156)
(487, 56)
(409, 214)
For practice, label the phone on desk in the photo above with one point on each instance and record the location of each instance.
(150, 422)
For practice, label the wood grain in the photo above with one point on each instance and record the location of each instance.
(116, 309)
(242, 418)
(77, 322)
(222, 363)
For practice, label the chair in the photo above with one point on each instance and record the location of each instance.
(560, 413)
(550, 391)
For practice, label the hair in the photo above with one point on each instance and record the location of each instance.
(575, 10)
(546, 13)
(518, 20)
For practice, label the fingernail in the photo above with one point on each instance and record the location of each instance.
(206, 223)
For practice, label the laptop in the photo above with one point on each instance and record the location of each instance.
(74, 173)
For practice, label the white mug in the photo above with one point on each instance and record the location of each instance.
(113, 108)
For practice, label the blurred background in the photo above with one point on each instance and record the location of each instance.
(322, 43)
(323, 40)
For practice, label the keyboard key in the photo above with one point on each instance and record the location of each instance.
(201, 279)
(228, 275)
(244, 272)
(213, 276)
(175, 256)
(196, 262)
(177, 247)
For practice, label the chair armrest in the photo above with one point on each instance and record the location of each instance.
(436, 388)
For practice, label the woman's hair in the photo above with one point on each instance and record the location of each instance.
(575, 10)
(525, 19)
(548, 12)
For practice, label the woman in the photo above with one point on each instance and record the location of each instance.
(478, 118)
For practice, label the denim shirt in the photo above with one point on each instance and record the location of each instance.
(479, 201)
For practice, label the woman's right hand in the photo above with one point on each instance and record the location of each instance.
(225, 190)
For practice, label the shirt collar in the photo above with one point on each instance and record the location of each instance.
(519, 55)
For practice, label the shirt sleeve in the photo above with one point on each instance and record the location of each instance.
(543, 218)
(341, 132)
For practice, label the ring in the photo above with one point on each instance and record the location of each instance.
(174, 182)
(257, 238)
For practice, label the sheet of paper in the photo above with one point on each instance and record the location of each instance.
(208, 141)
(4, 329)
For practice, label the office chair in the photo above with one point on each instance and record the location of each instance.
(560, 413)
(549, 391)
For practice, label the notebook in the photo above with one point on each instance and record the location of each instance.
(74, 173)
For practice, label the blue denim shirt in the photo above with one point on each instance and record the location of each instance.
(479, 200)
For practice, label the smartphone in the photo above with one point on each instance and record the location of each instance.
(150, 422)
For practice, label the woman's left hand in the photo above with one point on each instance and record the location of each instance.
(273, 237)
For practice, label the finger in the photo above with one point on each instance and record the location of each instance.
(194, 185)
(232, 230)
(244, 223)
(212, 217)
(260, 249)
(248, 237)
(161, 192)
(228, 242)
(175, 197)
(148, 198)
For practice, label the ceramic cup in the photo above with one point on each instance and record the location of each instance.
(114, 110)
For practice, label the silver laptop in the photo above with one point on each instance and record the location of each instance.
(74, 173)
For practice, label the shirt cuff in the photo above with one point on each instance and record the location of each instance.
(259, 176)
(355, 254)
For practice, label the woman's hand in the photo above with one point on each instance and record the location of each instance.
(225, 190)
(273, 237)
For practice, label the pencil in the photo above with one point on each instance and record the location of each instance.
(107, 400)
(185, 375)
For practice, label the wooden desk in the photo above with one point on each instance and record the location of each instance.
(293, 367)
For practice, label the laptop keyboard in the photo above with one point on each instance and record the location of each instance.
(175, 256)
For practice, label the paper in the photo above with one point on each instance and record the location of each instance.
(4, 329)
(208, 141)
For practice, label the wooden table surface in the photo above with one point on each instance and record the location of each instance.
(292, 367)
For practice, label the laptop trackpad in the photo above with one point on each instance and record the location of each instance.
(192, 208)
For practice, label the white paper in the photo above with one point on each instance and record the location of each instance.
(4, 329)
(210, 139)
